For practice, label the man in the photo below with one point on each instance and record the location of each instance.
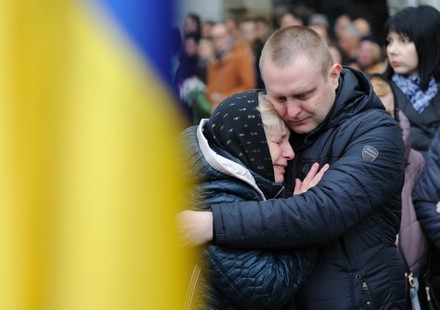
(234, 71)
(353, 214)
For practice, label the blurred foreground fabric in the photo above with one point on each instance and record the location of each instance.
(89, 182)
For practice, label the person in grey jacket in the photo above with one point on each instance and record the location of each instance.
(353, 214)
(240, 154)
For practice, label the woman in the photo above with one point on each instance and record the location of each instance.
(239, 154)
(413, 41)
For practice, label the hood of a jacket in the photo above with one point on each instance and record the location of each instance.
(353, 96)
(203, 162)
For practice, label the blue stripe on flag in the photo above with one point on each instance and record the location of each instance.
(148, 24)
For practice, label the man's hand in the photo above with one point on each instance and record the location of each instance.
(438, 207)
(195, 227)
(312, 178)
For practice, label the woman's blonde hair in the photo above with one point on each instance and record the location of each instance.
(273, 124)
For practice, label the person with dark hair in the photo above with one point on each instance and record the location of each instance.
(413, 43)
(192, 25)
(189, 57)
(206, 29)
(369, 56)
(234, 71)
(353, 213)
(176, 44)
(289, 18)
(248, 32)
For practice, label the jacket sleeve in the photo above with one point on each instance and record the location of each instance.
(258, 279)
(247, 279)
(352, 188)
(420, 139)
(427, 193)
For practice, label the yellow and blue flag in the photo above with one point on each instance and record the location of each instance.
(89, 179)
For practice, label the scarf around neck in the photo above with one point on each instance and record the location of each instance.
(410, 86)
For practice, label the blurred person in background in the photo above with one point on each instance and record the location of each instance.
(234, 71)
(206, 55)
(232, 26)
(363, 26)
(348, 42)
(289, 18)
(248, 32)
(189, 57)
(192, 25)
(318, 23)
(369, 57)
(341, 21)
(206, 28)
(264, 29)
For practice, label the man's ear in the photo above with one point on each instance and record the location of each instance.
(334, 73)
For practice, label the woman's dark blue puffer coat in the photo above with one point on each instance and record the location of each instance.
(236, 279)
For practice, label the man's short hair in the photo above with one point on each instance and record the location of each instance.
(286, 44)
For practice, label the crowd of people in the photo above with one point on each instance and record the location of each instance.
(224, 55)
(315, 153)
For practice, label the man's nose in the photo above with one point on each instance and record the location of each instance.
(293, 108)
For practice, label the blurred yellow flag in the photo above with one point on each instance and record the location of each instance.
(89, 180)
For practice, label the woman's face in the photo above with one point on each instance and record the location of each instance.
(280, 151)
(402, 54)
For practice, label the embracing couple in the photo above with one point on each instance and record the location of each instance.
(270, 240)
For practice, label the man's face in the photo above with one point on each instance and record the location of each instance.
(300, 93)
(220, 36)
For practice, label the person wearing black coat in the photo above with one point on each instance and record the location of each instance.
(353, 214)
(426, 195)
(426, 198)
(231, 158)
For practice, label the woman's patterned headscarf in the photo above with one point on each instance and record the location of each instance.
(236, 127)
